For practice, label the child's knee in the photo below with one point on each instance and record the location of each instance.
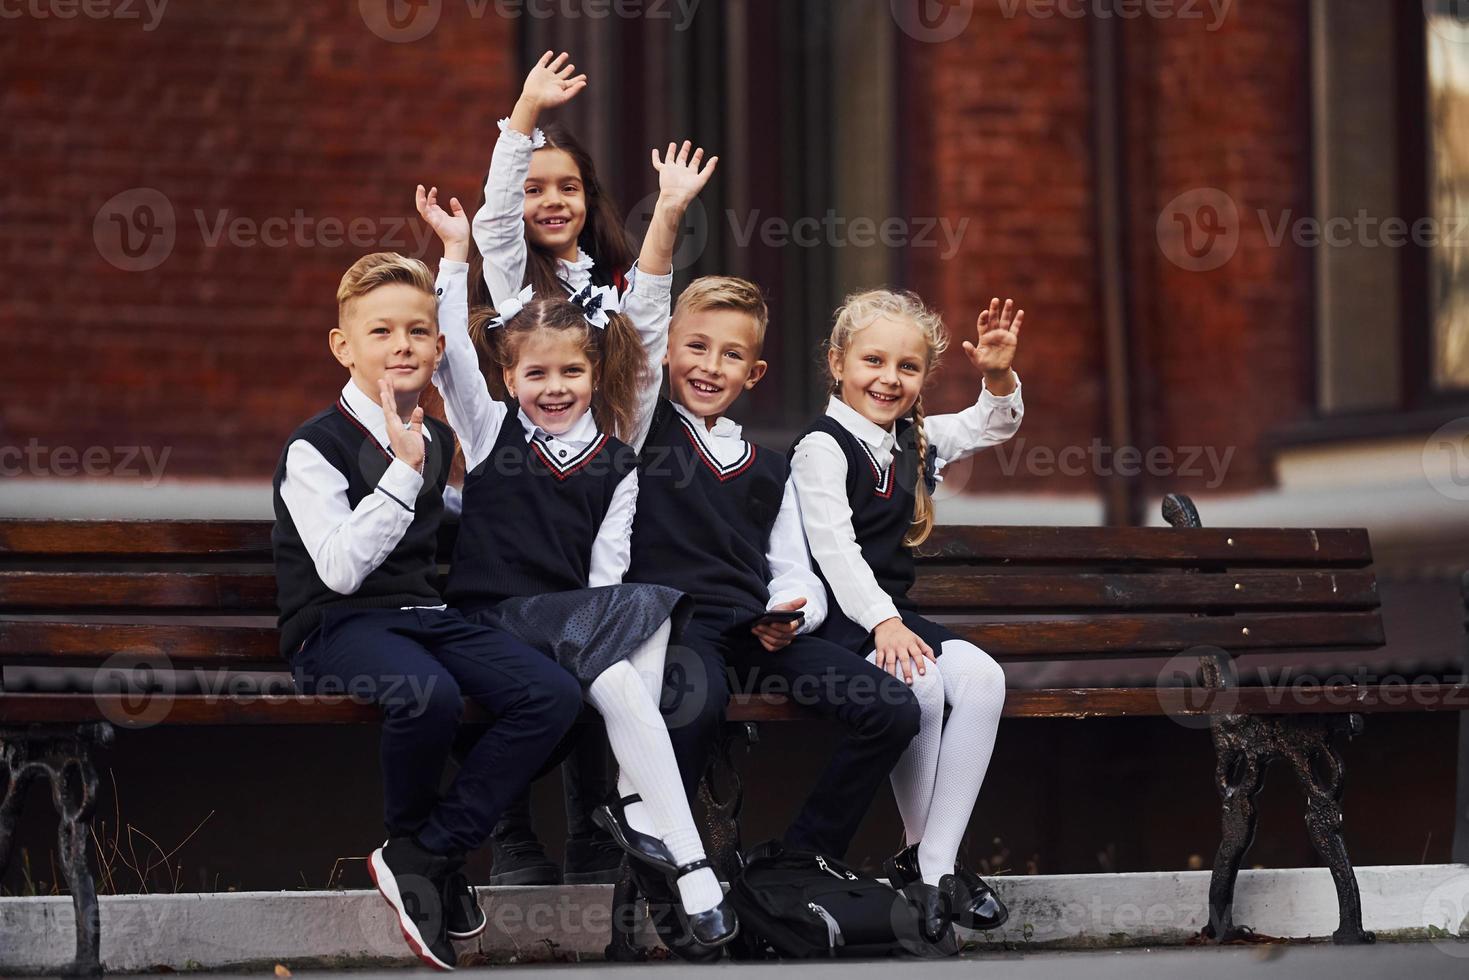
(561, 698)
(429, 702)
(973, 673)
(928, 690)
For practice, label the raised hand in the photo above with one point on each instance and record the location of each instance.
(552, 82)
(407, 443)
(452, 228)
(998, 336)
(680, 178)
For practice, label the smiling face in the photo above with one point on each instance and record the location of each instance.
(713, 355)
(391, 332)
(552, 378)
(881, 372)
(555, 202)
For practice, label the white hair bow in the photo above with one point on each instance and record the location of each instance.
(596, 303)
(507, 311)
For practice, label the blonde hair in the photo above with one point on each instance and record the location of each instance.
(725, 293)
(380, 269)
(860, 311)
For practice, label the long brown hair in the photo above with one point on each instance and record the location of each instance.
(603, 236)
(859, 311)
(618, 362)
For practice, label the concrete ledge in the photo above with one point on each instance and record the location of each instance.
(212, 931)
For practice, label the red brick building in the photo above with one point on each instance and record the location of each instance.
(186, 182)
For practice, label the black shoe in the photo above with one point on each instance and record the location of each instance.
(641, 847)
(973, 904)
(522, 861)
(711, 928)
(411, 879)
(931, 907)
(463, 917)
(592, 860)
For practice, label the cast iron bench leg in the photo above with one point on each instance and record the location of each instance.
(64, 756)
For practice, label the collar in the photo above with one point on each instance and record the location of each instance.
(583, 431)
(881, 441)
(582, 263)
(369, 413)
(724, 427)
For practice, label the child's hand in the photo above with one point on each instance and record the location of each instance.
(407, 444)
(680, 178)
(899, 647)
(551, 82)
(452, 229)
(998, 336)
(778, 636)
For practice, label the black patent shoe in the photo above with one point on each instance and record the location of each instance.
(931, 906)
(973, 904)
(714, 927)
(902, 868)
(641, 847)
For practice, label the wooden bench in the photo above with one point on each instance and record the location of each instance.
(158, 605)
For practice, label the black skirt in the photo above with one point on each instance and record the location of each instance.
(588, 630)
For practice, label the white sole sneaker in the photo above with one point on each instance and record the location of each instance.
(387, 886)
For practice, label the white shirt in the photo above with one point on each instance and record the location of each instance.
(476, 418)
(499, 226)
(347, 544)
(791, 576)
(819, 472)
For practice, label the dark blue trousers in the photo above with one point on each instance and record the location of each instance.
(418, 665)
(879, 712)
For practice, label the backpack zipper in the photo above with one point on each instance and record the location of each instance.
(833, 931)
(821, 861)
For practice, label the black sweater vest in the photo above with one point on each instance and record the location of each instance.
(882, 508)
(701, 527)
(530, 518)
(408, 576)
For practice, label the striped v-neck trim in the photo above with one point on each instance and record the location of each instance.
(561, 470)
(884, 478)
(725, 473)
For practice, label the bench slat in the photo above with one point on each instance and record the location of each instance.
(142, 593)
(1235, 547)
(969, 590)
(238, 540)
(181, 645)
(24, 709)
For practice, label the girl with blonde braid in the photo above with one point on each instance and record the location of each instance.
(864, 475)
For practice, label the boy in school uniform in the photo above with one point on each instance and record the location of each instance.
(718, 519)
(359, 492)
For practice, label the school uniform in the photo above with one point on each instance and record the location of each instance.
(360, 614)
(718, 518)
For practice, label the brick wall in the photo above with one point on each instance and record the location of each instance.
(251, 111)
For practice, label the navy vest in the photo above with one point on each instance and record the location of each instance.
(409, 575)
(530, 517)
(704, 528)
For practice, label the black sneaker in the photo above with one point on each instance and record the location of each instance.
(522, 861)
(592, 860)
(463, 917)
(411, 879)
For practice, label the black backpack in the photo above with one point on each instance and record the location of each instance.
(801, 905)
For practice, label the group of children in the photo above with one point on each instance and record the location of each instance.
(602, 521)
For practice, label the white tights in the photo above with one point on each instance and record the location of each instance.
(936, 811)
(626, 695)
